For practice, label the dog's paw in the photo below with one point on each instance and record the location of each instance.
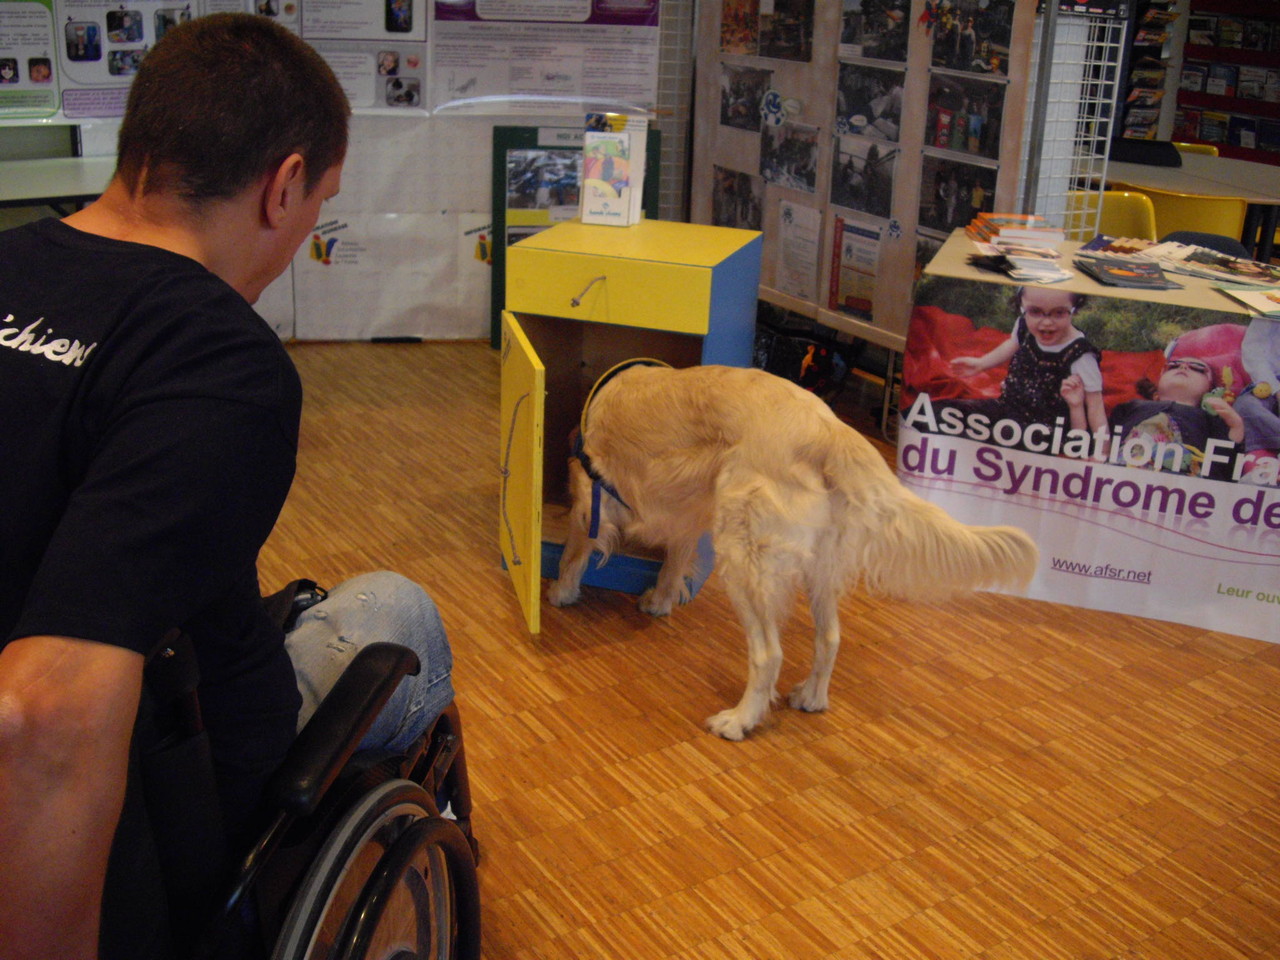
(651, 603)
(729, 724)
(806, 697)
(561, 594)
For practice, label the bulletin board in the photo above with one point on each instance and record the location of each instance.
(856, 135)
(405, 250)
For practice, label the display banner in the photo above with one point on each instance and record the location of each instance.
(1135, 441)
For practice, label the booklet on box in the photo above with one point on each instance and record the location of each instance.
(613, 159)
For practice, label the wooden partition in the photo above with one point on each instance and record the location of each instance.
(868, 89)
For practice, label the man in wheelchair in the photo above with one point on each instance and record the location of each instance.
(148, 438)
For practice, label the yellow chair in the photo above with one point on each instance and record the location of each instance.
(1125, 213)
(1187, 211)
(1208, 148)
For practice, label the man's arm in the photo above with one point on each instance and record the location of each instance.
(67, 710)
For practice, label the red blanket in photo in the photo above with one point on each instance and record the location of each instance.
(936, 337)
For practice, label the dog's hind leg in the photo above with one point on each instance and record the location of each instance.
(671, 587)
(758, 598)
(811, 695)
(764, 662)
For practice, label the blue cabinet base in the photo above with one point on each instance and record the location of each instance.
(626, 574)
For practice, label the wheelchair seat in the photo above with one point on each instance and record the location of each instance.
(368, 855)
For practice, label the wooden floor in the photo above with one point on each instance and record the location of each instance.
(998, 778)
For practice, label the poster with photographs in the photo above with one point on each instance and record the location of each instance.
(789, 156)
(855, 255)
(740, 26)
(786, 29)
(971, 35)
(737, 200)
(952, 192)
(862, 175)
(545, 180)
(741, 90)
(869, 101)
(875, 28)
(964, 114)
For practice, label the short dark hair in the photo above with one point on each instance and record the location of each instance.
(220, 101)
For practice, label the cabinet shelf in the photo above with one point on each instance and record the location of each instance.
(1236, 55)
(1213, 101)
(1232, 8)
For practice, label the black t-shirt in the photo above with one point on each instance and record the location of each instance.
(148, 434)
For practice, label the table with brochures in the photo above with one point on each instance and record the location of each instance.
(1163, 491)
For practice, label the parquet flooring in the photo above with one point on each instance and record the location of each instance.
(997, 778)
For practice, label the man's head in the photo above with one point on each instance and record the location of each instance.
(220, 102)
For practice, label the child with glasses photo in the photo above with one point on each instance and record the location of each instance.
(1048, 358)
(1188, 406)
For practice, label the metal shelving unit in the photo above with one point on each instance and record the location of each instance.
(1077, 70)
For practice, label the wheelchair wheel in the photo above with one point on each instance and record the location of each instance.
(393, 881)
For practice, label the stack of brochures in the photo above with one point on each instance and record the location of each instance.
(985, 227)
(1021, 260)
(613, 159)
(1212, 265)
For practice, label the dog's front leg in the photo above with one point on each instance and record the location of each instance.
(672, 587)
(811, 695)
(577, 546)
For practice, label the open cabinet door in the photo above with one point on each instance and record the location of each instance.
(520, 459)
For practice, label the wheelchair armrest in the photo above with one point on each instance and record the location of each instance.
(334, 731)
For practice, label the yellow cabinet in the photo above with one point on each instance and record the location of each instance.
(581, 298)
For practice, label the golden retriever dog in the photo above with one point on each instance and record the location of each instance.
(790, 494)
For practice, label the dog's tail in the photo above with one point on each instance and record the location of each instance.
(905, 547)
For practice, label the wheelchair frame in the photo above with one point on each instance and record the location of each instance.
(355, 837)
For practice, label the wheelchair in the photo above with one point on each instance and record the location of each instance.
(368, 854)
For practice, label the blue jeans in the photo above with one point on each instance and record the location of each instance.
(362, 610)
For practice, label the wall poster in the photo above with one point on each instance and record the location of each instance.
(737, 200)
(798, 246)
(876, 29)
(856, 259)
(742, 92)
(862, 176)
(953, 192)
(75, 59)
(544, 56)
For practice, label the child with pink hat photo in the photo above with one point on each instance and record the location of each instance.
(1189, 405)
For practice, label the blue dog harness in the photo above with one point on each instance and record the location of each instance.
(598, 483)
